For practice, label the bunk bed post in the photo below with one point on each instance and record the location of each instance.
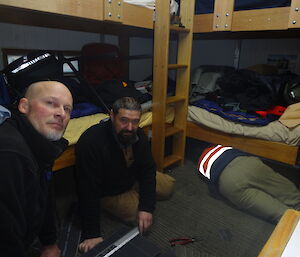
(160, 75)
(223, 12)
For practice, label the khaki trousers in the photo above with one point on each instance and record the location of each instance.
(125, 206)
(253, 186)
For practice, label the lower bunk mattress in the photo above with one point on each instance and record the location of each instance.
(274, 131)
(273, 141)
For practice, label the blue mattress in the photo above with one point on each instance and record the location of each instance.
(207, 6)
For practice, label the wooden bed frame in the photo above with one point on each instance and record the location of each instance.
(281, 235)
(272, 150)
(225, 23)
(110, 17)
(226, 19)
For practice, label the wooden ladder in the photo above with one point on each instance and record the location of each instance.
(161, 68)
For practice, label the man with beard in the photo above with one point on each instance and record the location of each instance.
(30, 141)
(115, 167)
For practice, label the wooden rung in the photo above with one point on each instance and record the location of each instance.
(171, 159)
(177, 29)
(175, 99)
(172, 131)
(177, 66)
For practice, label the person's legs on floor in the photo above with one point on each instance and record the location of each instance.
(251, 185)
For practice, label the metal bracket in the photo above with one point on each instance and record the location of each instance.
(113, 10)
(294, 17)
(223, 15)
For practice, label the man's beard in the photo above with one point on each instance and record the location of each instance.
(54, 135)
(126, 136)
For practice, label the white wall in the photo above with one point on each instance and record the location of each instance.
(213, 52)
(29, 37)
(253, 51)
(141, 68)
(257, 51)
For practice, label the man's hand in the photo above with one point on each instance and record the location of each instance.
(144, 220)
(88, 244)
(50, 251)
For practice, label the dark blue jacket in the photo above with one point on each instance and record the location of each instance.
(26, 158)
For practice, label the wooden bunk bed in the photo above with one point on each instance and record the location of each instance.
(118, 18)
(99, 16)
(227, 23)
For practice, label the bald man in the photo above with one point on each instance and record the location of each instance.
(30, 141)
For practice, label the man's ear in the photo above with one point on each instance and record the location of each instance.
(23, 105)
(111, 115)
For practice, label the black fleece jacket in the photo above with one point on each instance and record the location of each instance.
(101, 171)
(26, 159)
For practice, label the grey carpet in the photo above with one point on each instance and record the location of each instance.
(220, 229)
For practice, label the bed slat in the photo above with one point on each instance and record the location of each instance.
(268, 149)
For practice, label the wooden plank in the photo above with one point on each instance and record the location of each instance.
(137, 16)
(223, 11)
(281, 234)
(268, 149)
(175, 66)
(203, 23)
(113, 10)
(171, 159)
(79, 15)
(250, 20)
(177, 29)
(262, 19)
(172, 131)
(90, 9)
(294, 16)
(175, 99)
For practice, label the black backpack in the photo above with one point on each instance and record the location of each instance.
(35, 66)
(44, 65)
(248, 88)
